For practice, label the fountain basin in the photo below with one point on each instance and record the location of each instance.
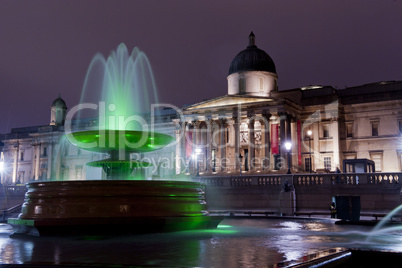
(110, 140)
(116, 206)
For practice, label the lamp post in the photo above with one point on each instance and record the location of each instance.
(309, 133)
(288, 146)
(197, 153)
(240, 159)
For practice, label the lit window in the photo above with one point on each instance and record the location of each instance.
(327, 163)
(377, 158)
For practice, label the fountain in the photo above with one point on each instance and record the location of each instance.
(119, 204)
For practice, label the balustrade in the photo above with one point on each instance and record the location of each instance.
(330, 179)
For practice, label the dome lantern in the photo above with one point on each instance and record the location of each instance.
(58, 111)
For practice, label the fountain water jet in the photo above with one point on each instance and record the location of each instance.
(118, 204)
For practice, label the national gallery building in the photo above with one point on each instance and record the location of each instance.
(254, 129)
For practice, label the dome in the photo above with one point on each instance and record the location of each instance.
(59, 103)
(252, 59)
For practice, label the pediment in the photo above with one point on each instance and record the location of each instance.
(226, 101)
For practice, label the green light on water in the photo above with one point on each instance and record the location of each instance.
(224, 226)
(219, 231)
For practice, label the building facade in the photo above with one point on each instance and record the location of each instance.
(247, 129)
(244, 131)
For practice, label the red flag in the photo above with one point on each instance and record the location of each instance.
(274, 139)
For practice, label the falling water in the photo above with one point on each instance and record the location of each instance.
(123, 87)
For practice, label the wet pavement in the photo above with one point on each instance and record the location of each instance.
(237, 242)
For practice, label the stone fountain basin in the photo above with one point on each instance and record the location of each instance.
(105, 141)
(87, 207)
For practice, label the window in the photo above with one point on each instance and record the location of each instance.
(377, 158)
(327, 163)
(307, 164)
(261, 84)
(21, 175)
(65, 173)
(78, 172)
(374, 128)
(400, 126)
(349, 130)
(325, 131)
(242, 85)
(400, 160)
(44, 151)
(22, 156)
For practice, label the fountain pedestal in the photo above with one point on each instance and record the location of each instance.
(112, 207)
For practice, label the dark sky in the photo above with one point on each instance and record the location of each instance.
(46, 46)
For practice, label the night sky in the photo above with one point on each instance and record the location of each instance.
(46, 46)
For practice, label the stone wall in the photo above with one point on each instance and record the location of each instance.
(378, 192)
(11, 196)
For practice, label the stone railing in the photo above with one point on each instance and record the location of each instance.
(324, 179)
(14, 190)
(245, 180)
(347, 178)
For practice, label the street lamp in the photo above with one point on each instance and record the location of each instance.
(309, 133)
(240, 160)
(197, 153)
(288, 146)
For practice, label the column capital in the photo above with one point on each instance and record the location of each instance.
(251, 122)
(222, 121)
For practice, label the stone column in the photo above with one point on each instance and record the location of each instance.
(266, 141)
(37, 163)
(282, 134)
(335, 140)
(315, 143)
(208, 155)
(231, 143)
(236, 125)
(251, 144)
(222, 144)
(57, 163)
(184, 160)
(49, 160)
(295, 142)
(178, 134)
(196, 144)
(33, 161)
(15, 166)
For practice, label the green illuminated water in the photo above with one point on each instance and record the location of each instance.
(123, 87)
(119, 92)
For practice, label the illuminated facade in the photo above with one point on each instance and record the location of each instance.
(243, 131)
(247, 128)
